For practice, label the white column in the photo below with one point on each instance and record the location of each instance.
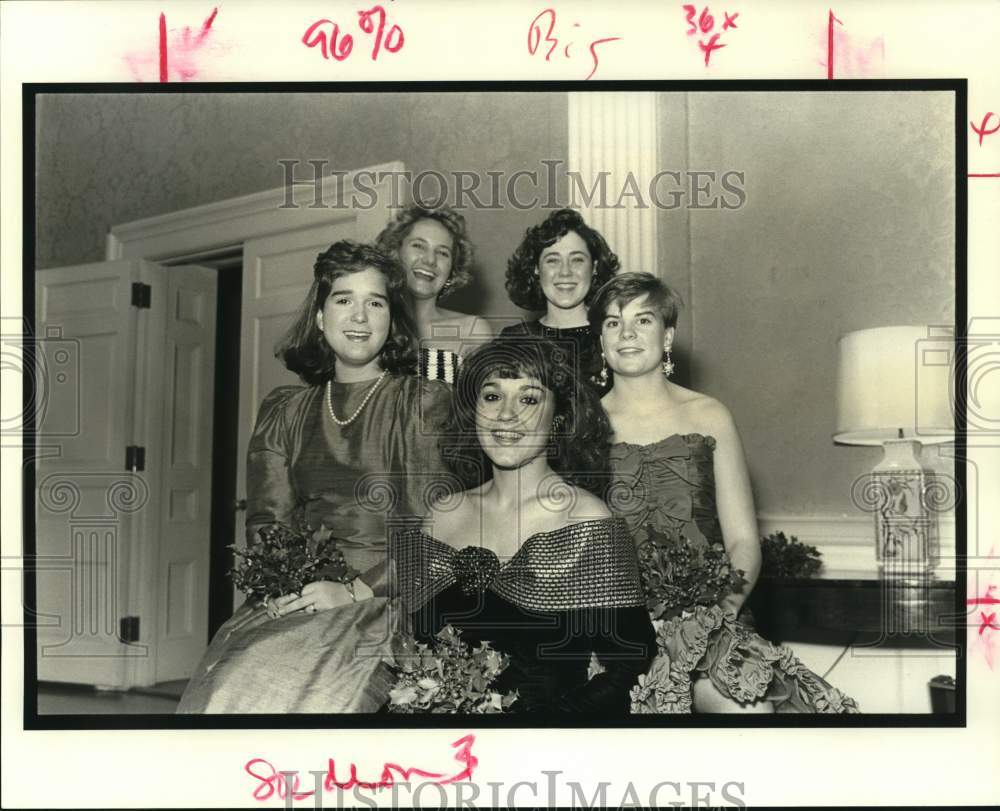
(616, 133)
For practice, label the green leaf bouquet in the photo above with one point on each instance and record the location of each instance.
(448, 676)
(281, 560)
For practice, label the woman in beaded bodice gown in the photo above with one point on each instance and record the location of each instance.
(679, 480)
(353, 448)
(530, 560)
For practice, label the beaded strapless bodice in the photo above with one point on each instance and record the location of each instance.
(587, 564)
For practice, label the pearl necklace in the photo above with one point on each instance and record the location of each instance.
(354, 416)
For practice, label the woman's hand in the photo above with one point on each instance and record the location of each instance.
(319, 596)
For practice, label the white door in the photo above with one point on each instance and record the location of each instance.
(188, 367)
(125, 365)
(86, 500)
(277, 274)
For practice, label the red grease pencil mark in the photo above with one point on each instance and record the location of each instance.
(163, 47)
(543, 30)
(176, 52)
(829, 44)
(981, 130)
(704, 25)
(286, 782)
(334, 45)
(992, 174)
(987, 622)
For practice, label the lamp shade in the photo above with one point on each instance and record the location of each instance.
(894, 383)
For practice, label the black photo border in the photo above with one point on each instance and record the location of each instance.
(34, 721)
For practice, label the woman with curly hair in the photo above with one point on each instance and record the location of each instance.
(353, 447)
(680, 481)
(436, 255)
(529, 558)
(557, 268)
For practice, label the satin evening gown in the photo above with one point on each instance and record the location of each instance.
(359, 480)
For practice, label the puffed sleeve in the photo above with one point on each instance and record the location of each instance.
(270, 494)
(625, 644)
(421, 413)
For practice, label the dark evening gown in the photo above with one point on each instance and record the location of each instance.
(564, 596)
(670, 485)
(302, 467)
(580, 348)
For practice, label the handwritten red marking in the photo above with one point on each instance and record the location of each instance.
(690, 12)
(365, 21)
(164, 72)
(829, 44)
(593, 52)
(710, 46)
(337, 45)
(992, 174)
(987, 599)
(332, 45)
(989, 623)
(274, 782)
(535, 30)
(705, 25)
(981, 130)
(538, 33)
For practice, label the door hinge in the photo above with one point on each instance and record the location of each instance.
(135, 458)
(142, 294)
(128, 629)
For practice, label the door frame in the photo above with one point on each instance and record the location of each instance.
(197, 233)
(228, 223)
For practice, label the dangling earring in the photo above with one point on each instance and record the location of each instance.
(445, 289)
(602, 377)
(668, 363)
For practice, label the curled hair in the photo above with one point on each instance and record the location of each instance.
(304, 349)
(392, 236)
(524, 287)
(579, 442)
(627, 287)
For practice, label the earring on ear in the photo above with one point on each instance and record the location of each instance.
(558, 422)
(602, 377)
(668, 363)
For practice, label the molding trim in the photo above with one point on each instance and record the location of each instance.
(847, 542)
(229, 223)
(610, 136)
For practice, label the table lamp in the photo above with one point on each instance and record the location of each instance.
(893, 387)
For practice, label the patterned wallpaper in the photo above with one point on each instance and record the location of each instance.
(113, 158)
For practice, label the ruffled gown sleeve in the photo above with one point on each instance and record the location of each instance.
(270, 494)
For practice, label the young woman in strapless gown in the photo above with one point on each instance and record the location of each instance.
(679, 472)
(529, 557)
(353, 448)
(436, 255)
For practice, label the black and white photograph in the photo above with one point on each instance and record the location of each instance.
(498, 405)
(585, 407)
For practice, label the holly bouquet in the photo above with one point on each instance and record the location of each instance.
(448, 676)
(281, 560)
(678, 574)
